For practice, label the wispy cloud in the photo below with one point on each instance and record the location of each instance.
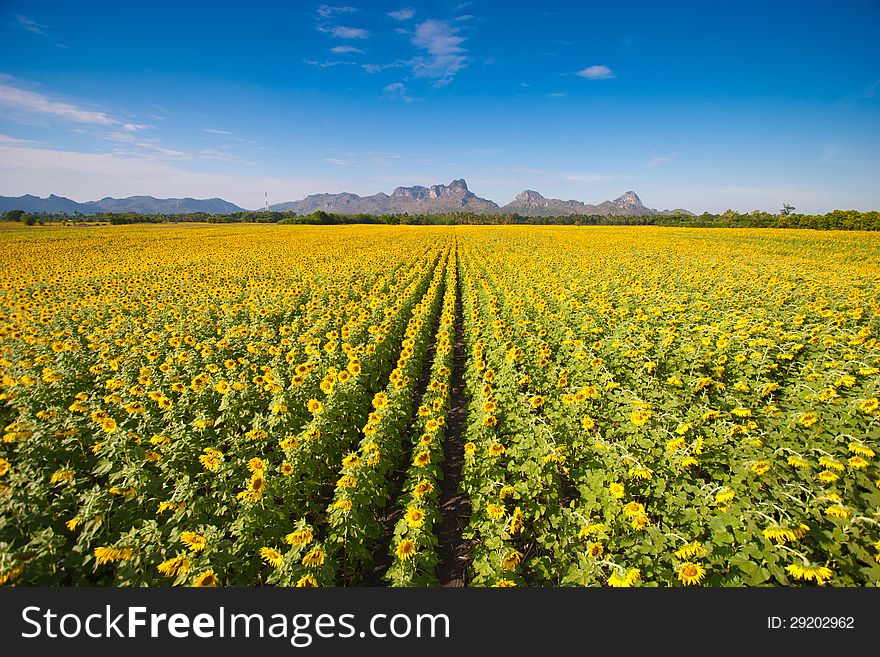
(22, 100)
(596, 73)
(445, 54)
(557, 94)
(136, 127)
(30, 25)
(660, 159)
(342, 50)
(397, 91)
(222, 156)
(587, 178)
(314, 62)
(121, 137)
(215, 131)
(338, 161)
(11, 141)
(376, 68)
(161, 152)
(326, 11)
(342, 32)
(402, 14)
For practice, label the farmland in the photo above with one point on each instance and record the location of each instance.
(251, 405)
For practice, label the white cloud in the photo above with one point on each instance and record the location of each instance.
(446, 56)
(213, 154)
(21, 100)
(397, 91)
(661, 159)
(465, 17)
(215, 131)
(7, 140)
(403, 14)
(376, 68)
(326, 11)
(122, 137)
(341, 50)
(158, 151)
(87, 176)
(587, 178)
(30, 25)
(313, 62)
(557, 94)
(338, 162)
(137, 127)
(596, 73)
(343, 32)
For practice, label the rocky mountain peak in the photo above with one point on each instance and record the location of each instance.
(528, 196)
(629, 200)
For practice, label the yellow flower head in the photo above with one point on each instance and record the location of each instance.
(405, 549)
(195, 542)
(690, 573)
(271, 556)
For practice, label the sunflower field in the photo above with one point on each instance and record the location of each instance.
(270, 405)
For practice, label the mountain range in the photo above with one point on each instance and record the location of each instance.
(142, 204)
(436, 199)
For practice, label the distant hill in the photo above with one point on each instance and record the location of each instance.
(530, 203)
(454, 197)
(436, 199)
(141, 204)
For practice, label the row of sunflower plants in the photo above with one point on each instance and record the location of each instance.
(511, 482)
(321, 445)
(413, 548)
(364, 484)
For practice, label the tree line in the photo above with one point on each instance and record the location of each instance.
(786, 218)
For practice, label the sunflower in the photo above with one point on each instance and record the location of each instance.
(307, 581)
(694, 549)
(405, 549)
(690, 573)
(495, 511)
(195, 542)
(496, 449)
(314, 558)
(206, 579)
(517, 520)
(423, 488)
(178, 565)
(760, 467)
(414, 517)
(809, 573)
(808, 419)
(299, 537)
(271, 556)
(511, 560)
(595, 550)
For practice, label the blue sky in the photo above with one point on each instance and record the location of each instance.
(705, 106)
